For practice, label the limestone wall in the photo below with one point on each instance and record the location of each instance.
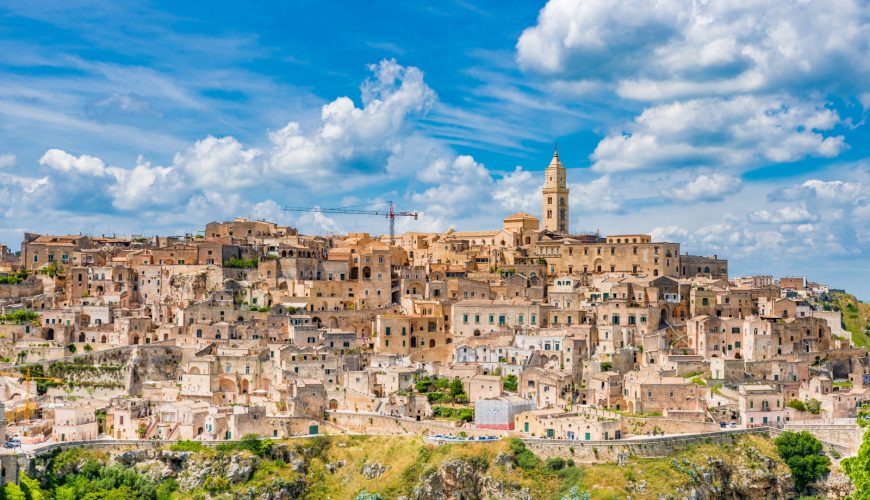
(27, 288)
(847, 435)
(607, 451)
(642, 426)
(366, 423)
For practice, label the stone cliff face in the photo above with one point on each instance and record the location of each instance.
(459, 479)
(361, 468)
(722, 480)
(744, 472)
(196, 471)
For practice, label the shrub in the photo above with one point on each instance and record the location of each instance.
(423, 384)
(253, 443)
(187, 445)
(797, 405)
(30, 488)
(569, 462)
(517, 446)
(437, 397)
(366, 495)
(804, 456)
(464, 414)
(13, 492)
(457, 390)
(19, 317)
(524, 457)
(241, 263)
(216, 484)
(510, 383)
(527, 460)
(555, 463)
(814, 406)
(166, 488)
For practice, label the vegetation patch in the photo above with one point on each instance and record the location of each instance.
(236, 263)
(803, 454)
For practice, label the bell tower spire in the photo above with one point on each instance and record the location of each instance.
(555, 196)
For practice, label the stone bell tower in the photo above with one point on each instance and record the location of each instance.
(555, 215)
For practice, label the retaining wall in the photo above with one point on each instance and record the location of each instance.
(607, 451)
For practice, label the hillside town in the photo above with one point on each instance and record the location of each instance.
(528, 330)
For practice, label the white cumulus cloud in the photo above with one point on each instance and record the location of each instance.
(738, 132)
(349, 135)
(673, 49)
(784, 215)
(705, 187)
(221, 163)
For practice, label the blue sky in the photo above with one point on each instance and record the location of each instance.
(736, 128)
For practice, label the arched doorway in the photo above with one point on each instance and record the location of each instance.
(49, 334)
(227, 385)
(431, 343)
(598, 265)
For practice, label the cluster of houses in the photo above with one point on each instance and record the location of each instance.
(551, 334)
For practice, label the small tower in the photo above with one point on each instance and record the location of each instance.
(555, 215)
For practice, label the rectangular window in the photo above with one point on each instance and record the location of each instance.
(465, 318)
(387, 331)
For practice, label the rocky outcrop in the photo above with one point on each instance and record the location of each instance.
(460, 479)
(836, 485)
(746, 473)
(373, 470)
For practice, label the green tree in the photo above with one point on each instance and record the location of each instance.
(457, 390)
(803, 454)
(510, 383)
(30, 488)
(13, 492)
(858, 467)
(166, 488)
(797, 404)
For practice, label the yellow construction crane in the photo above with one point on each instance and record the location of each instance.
(28, 378)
